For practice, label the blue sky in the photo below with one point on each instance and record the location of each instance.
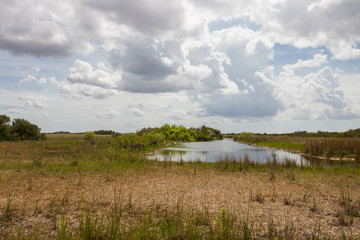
(279, 66)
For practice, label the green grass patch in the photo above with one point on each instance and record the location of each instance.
(297, 147)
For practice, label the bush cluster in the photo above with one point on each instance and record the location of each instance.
(19, 129)
(155, 136)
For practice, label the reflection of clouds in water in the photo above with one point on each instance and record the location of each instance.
(216, 150)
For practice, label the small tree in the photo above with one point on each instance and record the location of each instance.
(4, 128)
(22, 129)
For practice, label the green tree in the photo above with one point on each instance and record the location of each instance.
(4, 120)
(4, 128)
(22, 129)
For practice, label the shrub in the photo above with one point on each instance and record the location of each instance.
(90, 137)
(4, 128)
(22, 129)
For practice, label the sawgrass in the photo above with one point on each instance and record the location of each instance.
(71, 158)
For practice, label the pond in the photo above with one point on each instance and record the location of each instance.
(220, 149)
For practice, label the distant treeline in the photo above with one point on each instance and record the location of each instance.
(348, 134)
(106, 132)
(98, 132)
(320, 134)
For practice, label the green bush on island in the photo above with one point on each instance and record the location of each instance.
(166, 133)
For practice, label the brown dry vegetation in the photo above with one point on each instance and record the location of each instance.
(305, 204)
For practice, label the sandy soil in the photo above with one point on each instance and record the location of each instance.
(310, 203)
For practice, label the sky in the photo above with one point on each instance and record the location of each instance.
(251, 65)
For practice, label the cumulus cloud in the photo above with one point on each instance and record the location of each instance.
(143, 16)
(83, 72)
(137, 110)
(28, 78)
(171, 47)
(318, 60)
(107, 113)
(80, 90)
(312, 24)
(33, 102)
(15, 111)
(144, 59)
(42, 80)
(314, 96)
(45, 28)
(33, 28)
(84, 81)
(236, 56)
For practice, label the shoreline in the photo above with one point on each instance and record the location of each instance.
(347, 159)
(160, 149)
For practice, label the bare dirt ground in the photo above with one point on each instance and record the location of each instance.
(311, 204)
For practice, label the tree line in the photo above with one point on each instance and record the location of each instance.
(18, 129)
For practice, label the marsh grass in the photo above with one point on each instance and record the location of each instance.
(69, 153)
(334, 147)
(156, 223)
(176, 223)
(326, 147)
(350, 209)
(7, 210)
(123, 218)
(236, 164)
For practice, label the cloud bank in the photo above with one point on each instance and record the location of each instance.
(219, 54)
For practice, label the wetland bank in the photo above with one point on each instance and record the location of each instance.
(85, 186)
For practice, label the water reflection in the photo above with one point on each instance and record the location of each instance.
(220, 149)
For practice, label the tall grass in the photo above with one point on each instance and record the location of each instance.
(165, 222)
(168, 223)
(231, 163)
(274, 141)
(327, 147)
(69, 153)
(334, 147)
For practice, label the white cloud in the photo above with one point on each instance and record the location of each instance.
(322, 4)
(28, 78)
(15, 111)
(138, 112)
(45, 28)
(34, 102)
(33, 28)
(107, 113)
(318, 60)
(41, 80)
(209, 58)
(83, 72)
(79, 90)
(307, 24)
(314, 96)
(237, 56)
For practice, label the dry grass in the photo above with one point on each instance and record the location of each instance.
(47, 187)
(309, 203)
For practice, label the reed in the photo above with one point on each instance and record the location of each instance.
(64, 169)
(334, 147)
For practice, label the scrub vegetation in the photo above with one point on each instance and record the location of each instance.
(92, 186)
(19, 129)
(326, 145)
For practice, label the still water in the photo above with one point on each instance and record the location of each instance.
(219, 149)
